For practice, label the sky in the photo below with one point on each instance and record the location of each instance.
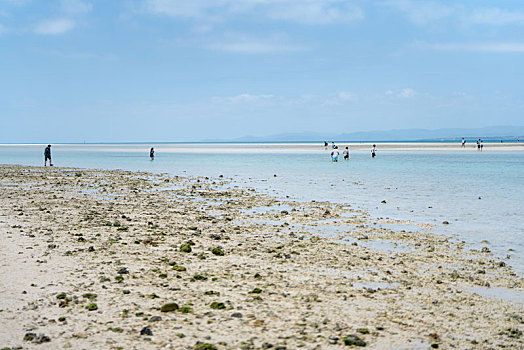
(178, 70)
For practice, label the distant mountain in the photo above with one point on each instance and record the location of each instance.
(492, 132)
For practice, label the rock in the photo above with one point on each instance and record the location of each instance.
(236, 315)
(155, 319)
(333, 340)
(29, 336)
(383, 201)
(363, 330)
(353, 340)
(41, 338)
(185, 248)
(37, 339)
(61, 295)
(485, 250)
(146, 331)
(217, 251)
(445, 222)
(267, 346)
(123, 271)
(217, 305)
(169, 307)
(256, 291)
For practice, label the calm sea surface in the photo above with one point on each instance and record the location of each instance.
(481, 194)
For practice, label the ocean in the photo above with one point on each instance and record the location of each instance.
(480, 194)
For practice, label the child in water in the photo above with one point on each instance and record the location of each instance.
(346, 154)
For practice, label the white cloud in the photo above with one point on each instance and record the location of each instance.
(247, 98)
(301, 11)
(403, 93)
(75, 7)
(476, 47)
(315, 12)
(346, 96)
(422, 12)
(406, 93)
(54, 27)
(495, 16)
(249, 45)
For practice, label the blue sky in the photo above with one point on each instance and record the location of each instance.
(177, 70)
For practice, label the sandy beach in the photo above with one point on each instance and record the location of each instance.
(94, 259)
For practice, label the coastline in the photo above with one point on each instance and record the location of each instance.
(279, 283)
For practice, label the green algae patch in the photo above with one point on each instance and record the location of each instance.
(204, 346)
(185, 248)
(256, 291)
(61, 295)
(169, 307)
(199, 278)
(185, 310)
(179, 268)
(90, 296)
(217, 305)
(218, 251)
(92, 307)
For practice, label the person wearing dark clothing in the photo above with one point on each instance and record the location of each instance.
(47, 155)
(152, 153)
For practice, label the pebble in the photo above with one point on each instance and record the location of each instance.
(146, 331)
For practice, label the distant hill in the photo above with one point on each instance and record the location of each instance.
(486, 133)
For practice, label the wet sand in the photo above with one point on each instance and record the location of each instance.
(91, 259)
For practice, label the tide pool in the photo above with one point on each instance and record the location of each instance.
(480, 194)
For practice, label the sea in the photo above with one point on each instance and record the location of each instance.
(480, 194)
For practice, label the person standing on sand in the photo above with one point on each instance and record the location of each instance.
(374, 151)
(346, 153)
(334, 154)
(478, 145)
(463, 143)
(481, 145)
(152, 153)
(47, 155)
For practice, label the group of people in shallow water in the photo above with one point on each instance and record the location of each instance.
(480, 144)
(335, 152)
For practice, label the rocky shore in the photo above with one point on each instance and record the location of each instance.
(96, 259)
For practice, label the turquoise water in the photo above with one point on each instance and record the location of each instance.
(423, 186)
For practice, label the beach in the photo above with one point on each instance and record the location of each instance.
(131, 259)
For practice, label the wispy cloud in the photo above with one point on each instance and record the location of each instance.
(402, 93)
(75, 7)
(54, 27)
(496, 16)
(300, 11)
(476, 47)
(244, 99)
(315, 12)
(425, 12)
(422, 12)
(250, 45)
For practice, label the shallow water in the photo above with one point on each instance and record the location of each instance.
(481, 194)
